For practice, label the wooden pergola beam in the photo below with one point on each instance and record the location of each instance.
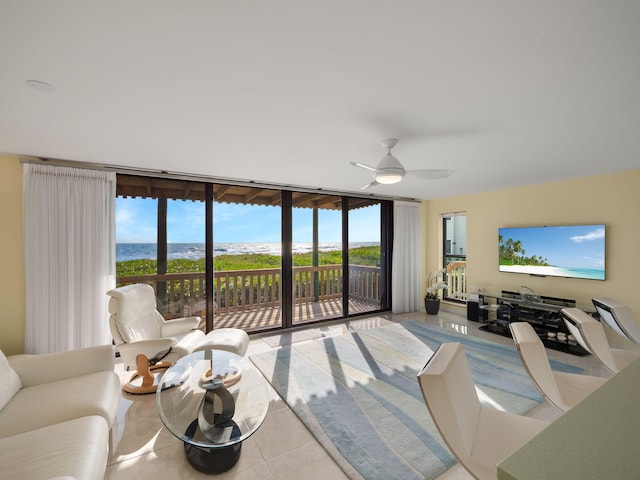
(176, 189)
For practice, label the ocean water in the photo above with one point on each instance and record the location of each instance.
(195, 251)
(587, 273)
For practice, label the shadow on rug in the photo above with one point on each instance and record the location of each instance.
(359, 396)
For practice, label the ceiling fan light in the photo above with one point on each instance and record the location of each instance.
(388, 178)
(389, 170)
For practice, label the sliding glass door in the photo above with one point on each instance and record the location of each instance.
(181, 267)
(365, 260)
(160, 240)
(317, 258)
(247, 247)
(252, 257)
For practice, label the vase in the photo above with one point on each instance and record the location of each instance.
(432, 306)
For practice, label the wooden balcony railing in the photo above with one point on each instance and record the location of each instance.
(364, 283)
(182, 294)
(456, 280)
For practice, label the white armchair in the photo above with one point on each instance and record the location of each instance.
(139, 329)
(148, 342)
(144, 339)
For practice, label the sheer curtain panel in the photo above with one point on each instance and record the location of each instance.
(69, 235)
(407, 258)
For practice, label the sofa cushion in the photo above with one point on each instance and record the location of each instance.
(9, 381)
(186, 342)
(52, 367)
(76, 449)
(43, 405)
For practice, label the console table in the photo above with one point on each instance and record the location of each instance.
(596, 439)
(497, 310)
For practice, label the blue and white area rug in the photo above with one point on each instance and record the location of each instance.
(359, 396)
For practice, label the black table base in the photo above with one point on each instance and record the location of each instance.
(211, 460)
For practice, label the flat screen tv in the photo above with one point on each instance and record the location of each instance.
(572, 251)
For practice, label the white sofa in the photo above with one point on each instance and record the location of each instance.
(58, 414)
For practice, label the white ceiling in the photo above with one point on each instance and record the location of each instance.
(289, 92)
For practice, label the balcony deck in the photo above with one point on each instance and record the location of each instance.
(270, 317)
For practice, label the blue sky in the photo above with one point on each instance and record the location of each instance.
(136, 220)
(569, 246)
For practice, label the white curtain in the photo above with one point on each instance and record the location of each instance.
(407, 258)
(69, 248)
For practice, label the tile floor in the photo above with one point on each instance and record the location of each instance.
(282, 448)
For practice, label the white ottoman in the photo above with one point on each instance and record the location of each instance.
(232, 340)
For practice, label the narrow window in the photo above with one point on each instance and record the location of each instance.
(454, 258)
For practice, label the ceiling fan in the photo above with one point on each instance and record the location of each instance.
(389, 170)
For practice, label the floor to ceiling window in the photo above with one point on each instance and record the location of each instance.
(251, 257)
(366, 270)
(247, 229)
(183, 262)
(160, 239)
(316, 257)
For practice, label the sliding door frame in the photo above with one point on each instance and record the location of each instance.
(164, 189)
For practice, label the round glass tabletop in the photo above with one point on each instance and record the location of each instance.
(212, 399)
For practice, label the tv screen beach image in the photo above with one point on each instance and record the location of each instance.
(576, 251)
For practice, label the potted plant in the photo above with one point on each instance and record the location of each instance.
(435, 283)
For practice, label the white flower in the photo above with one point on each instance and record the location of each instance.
(434, 283)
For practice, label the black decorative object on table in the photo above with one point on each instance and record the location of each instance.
(215, 421)
(216, 411)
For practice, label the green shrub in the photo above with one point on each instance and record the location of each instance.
(368, 256)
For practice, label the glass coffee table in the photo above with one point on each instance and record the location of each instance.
(212, 400)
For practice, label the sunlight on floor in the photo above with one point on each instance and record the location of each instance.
(282, 448)
(487, 400)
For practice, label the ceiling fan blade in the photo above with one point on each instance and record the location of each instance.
(362, 165)
(372, 184)
(430, 174)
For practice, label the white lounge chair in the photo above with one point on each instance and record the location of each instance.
(480, 437)
(561, 389)
(619, 317)
(590, 334)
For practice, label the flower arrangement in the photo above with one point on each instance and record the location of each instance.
(435, 283)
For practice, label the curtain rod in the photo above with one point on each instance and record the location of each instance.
(124, 170)
(452, 214)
